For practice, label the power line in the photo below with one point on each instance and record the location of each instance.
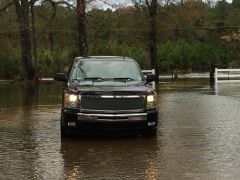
(127, 29)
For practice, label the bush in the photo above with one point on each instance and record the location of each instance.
(50, 63)
(139, 53)
(10, 66)
(198, 55)
(172, 54)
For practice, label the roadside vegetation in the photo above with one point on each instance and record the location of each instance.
(190, 35)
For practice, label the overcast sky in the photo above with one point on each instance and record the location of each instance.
(116, 3)
(103, 4)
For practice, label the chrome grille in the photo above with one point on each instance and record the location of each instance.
(125, 103)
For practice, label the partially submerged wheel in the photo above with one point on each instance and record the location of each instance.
(63, 130)
(151, 132)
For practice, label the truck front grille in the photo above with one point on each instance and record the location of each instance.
(112, 103)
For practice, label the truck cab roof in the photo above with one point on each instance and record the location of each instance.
(110, 58)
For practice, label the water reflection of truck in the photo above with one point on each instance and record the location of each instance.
(114, 158)
(107, 94)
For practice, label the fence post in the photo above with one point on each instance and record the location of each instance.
(154, 83)
(216, 74)
(212, 70)
(153, 71)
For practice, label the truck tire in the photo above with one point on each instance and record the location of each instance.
(151, 132)
(64, 133)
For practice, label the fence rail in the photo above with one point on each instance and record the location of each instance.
(231, 73)
(149, 71)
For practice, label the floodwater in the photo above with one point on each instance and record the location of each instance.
(198, 137)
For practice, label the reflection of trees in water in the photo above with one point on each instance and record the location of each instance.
(30, 95)
(29, 98)
(117, 158)
(15, 95)
(25, 128)
(18, 132)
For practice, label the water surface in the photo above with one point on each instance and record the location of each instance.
(198, 137)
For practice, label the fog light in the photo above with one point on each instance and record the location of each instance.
(71, 124)
(151, 123)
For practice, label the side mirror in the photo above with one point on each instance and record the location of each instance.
(60, 77)
(151, 78)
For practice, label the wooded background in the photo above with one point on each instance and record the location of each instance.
(40, 37)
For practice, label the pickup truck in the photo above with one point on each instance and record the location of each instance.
(107, 94)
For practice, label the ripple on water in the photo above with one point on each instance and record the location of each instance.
(198, 138)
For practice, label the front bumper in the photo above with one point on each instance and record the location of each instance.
(78, 122)
(133, 117)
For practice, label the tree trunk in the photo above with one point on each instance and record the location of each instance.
(152, 7)
(51, 41)
(82, 32)
(34, 40)
(22, 10)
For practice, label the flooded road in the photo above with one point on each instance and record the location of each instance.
(198, 137)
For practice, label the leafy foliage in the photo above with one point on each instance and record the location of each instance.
(183, 55)
(189, 35)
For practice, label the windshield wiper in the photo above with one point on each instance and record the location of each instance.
(94, 78)
(124, 78)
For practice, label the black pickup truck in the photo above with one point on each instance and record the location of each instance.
(107, 94)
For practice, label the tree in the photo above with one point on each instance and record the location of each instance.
(82, 31)
(152, 9)
(22, 10)
(34, 40)
(152, 6)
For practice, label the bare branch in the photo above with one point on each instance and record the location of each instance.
(43, 17)
(109, 4)
(33, 1)
(7, 6)
(148, 4)
(54, 5)
(61, 2)
(54, 9)
(18, 7)
(89, 1)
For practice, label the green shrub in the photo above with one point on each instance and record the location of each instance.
(181, 54)
(10, 67)
(172, 54)
(139, 53)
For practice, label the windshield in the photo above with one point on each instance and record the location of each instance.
(104, 70)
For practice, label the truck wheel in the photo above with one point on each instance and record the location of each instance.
(151, 133)
(63, 130)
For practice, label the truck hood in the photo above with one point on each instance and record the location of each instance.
(139, 89)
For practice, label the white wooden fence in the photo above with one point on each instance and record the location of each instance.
(227, 75)
(145, 72)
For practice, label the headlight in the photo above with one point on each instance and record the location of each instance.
(151, 101)
(71, 100)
